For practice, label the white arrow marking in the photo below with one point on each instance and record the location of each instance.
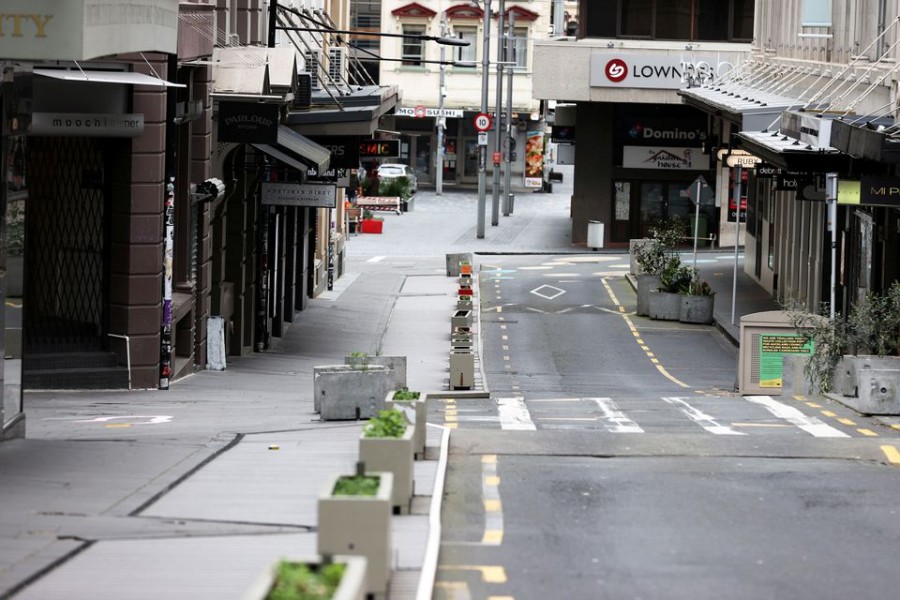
(702, 419)
(793, 416)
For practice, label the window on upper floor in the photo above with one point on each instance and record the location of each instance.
(467, 53)
(413, 48)
(682, 20)
(521, 47)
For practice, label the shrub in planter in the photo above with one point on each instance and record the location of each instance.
(697, 300)
(314, 578)
(386, 445)
(413, 404)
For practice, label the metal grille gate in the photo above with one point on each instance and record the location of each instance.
(65, 283)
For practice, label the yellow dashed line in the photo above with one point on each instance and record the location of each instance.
(489, 459)
(506, 337)
(500, 308)
(895, 426)
(846, 421)
(488, 574)
(492, 537)
(501, 598)
(868, 432)
(491, 480)
(799, 397)
(492, 506)
(813, 405)
(828, 413)
(892, 454)
(117, 425)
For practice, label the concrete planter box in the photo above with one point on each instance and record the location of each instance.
(462, 370)
(343, 393)
(453, 261)
(868, 384)
(359, 526)
(397, 364)
(461, 319)
(645, 284)
(664, 306)
(396, 456)
(460, 341)
(696, 309)
(464, 303)
(416, 412)
(465, 279)
(352, 586)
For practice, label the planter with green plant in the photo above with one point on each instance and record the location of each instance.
(354, 518)
(315, 578)
(370, 223)
(415, 406)
(697, 302)
(664, 304)
(386, 444)
(857, 357)
(397, 364)
(650, 257)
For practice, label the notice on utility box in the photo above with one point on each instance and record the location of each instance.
(772, 347)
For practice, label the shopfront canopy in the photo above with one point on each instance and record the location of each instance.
(297, 151)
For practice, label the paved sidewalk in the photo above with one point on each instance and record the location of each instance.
(178, 494)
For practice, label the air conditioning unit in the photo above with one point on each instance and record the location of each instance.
(313, 60)
(337, 64)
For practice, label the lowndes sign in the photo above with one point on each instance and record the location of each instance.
(85, 29)
(634, 70)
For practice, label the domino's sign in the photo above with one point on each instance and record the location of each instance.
(647, 71)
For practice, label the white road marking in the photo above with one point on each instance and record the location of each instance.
(375, 259)
(810, 425)
(153, 419)
(514, 414)
(614, 418)
(538, 291)
(702, 419)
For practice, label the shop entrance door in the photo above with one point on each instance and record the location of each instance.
(661, 201)
(470, 168)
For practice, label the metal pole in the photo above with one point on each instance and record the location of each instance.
(831, 194)
(439, 155)
(482, 150)
(737, 234)
(510, 56)
(498, 142)
(696, 223)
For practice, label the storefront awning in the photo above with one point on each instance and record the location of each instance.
(297, 151)
(752, 108)
(790, 154)
(867, 138)
(95, 76)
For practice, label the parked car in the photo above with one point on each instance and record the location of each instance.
(391, 171)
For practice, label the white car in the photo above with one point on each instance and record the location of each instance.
(391, 171)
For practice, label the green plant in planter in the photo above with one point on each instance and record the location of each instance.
(670, 232)
(651, 257)
(298, 581)
(872, 327)
(395, 186)
(675, 276)
(405, 394)
(696, 287)
(357, 485)
(388, 424)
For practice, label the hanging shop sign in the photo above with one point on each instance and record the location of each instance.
(379, 149)
(669, 158)
(792, 181)
(766, 171)
(248, 122)
(562, 134)
(87, 124)
(299, 194)
(534, 159)
(870, 191)
(651, 71)
(424, 111)
(345, 151)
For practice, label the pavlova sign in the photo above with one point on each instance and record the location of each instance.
(654, 157)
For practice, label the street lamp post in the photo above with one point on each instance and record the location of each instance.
(482, 150)
(498, 141)
(439, 155)
(510, 135)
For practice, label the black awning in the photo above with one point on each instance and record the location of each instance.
(866, 139)
(789, 154)
(297, 151)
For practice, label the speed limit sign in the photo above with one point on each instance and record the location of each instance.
(482, 122)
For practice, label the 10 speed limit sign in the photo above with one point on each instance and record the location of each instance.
(482, 122)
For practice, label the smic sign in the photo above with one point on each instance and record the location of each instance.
(379, 149)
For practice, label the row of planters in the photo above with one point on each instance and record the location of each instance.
(354, 513)
(462, 358)
(667, 289)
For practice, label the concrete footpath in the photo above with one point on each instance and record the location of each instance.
(183, 494)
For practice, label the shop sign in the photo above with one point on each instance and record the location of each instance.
(534, 159)
(344, 150)
(766, 171)
(651, 71)
(809, 129)
(792, 181)
(87, 124)
(299, 194)
(669, 158)
(86, 29)
(248, 122)
(562, 134)
(410, 111)
(872, 191)
(654, 131)
(379, 149)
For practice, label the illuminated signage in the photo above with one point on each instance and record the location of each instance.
(379, 149)
(649, 71)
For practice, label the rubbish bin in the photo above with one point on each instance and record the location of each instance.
(595, 234)
(511, 203)
(700, 229)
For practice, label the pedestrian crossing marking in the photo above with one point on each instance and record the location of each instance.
(514, 414)
(702, 419)
(615, 419)
(811, 425)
